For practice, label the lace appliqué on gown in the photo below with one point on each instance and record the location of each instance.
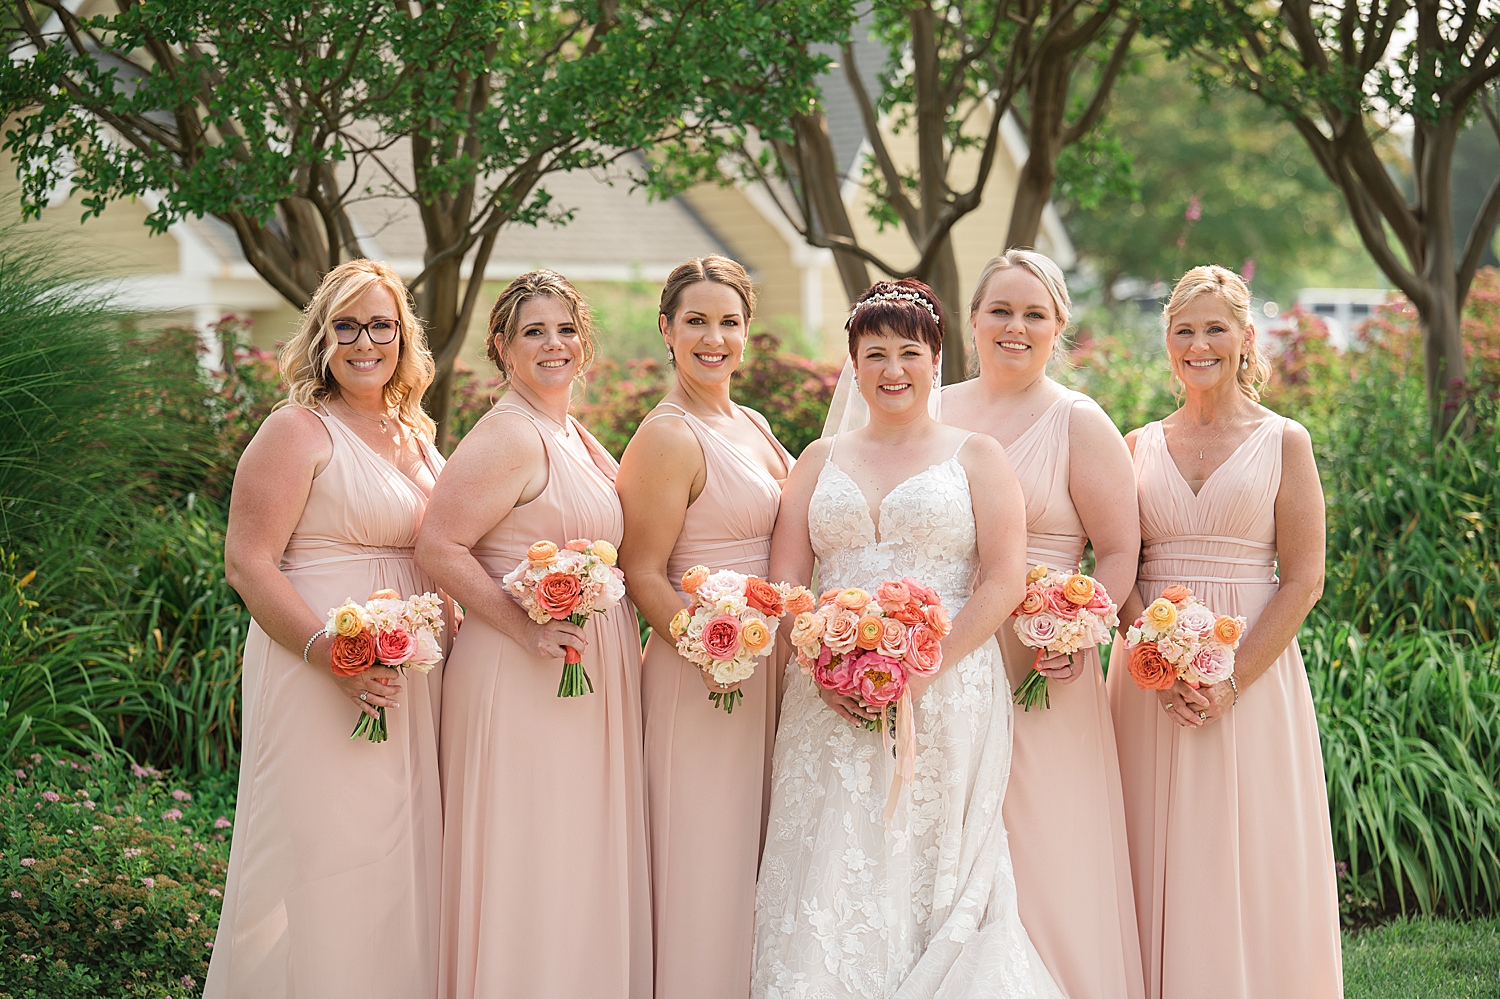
(845, 905)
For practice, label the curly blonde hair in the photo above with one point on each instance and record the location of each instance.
(1211, 279)
(307, 357)
(505, 317)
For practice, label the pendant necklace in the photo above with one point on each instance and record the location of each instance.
(368, 419)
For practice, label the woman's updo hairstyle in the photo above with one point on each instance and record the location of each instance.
(505, 317)
(906, 308)
(1211, 279)
(714, 269)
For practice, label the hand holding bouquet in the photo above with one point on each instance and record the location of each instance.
(868, 648)
(730, 624)
(1179, 638)
(1061, 613)
(388, 631)
(568, 584)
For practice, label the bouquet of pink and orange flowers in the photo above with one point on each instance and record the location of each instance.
(387, 631)
(571, 583)
(1061, 613)
(1177, 637)
(730, 624)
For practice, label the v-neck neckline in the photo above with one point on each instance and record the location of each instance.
(781, 453)
(386, 464)
(1208, 480)
(1041, 417)
(878, 509)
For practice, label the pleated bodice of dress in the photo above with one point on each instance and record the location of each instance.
(1054, 533)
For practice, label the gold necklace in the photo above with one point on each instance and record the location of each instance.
(384, 423)
(1212, 442)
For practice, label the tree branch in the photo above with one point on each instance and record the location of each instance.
(898, 198)
(1111, 72)
(1479, 238)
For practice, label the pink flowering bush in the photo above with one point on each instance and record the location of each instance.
(102, 894)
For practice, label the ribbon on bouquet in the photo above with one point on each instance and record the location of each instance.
(906, 752)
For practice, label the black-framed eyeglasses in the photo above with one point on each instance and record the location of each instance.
(381, 331)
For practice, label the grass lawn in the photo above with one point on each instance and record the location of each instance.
(1424, 959)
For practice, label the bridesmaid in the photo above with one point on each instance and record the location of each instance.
(1225, 800)
(544, 883)
(1064, 809)
(700, 484)
(333, 874)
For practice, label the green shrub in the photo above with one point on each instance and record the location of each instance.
(111, 882)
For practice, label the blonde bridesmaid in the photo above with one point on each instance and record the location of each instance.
(333, 874)
(1063, 810)
(1225, 799)
(700, 484)
(545, 890)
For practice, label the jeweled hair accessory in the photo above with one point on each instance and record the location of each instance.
(897, 296)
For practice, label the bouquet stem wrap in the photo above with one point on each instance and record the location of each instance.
(906, 752)
(575, 679)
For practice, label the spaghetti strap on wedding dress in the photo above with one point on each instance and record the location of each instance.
(923, 907)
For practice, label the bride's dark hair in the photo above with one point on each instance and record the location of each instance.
(907, 308)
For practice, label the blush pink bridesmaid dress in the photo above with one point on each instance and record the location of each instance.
(545, 884)
(708, 773)
(1229, 831)
(333, 874)
(1064, 809)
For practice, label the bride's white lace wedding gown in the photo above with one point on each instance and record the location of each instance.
(847, 906)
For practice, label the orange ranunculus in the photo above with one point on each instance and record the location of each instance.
(892, 595)
(385, 595)
(1034, 601)
(1037, 573)
(868, 632)
(348, 619)
(909, 614)
(763, 596)
(1177, 594)
(558, 594)
(579, 545)
(755, 635)
(542, 553)
(352, 654)
(799, 600)
(1228, 630)
(694, 578)
(1161, 615)
(853, 599)
(1079, 589)
(1150, 669)
(938, 620)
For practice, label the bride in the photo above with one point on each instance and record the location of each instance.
(924, 905)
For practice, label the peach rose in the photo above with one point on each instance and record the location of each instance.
(721, 637)
(1178, 595)
(385, 595)
(604, 552)
(394, 647)
(1079, 589)
(1150, 669)
(542, 553)
(853, 599)
(807, 630)
(579, 545)
(755, 635)
(558, 594)
(892, 596)
(694, 578)
(764, 597)
(1033, 602)
(938, 619)
(841, 631)
(799, 600)
(1228, 630)
(868, 631)
(924, 651)
(679, 624)
(879, 680)
(352, 654)
(1059, 604)
(892, 639)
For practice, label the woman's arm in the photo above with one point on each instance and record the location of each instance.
(271, 486)
(661, 474)
(499, 465)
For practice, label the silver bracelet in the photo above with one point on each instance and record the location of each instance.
(1236, 688)
(308, 647)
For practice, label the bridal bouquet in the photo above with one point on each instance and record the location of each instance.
(1061, 613)
(730, 624)
(387, 631)
(570, 583)
(867, 647)
(1178, 637)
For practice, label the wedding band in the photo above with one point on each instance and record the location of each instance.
(1203, 716)
(364, 695)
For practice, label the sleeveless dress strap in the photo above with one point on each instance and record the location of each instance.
(960, 446)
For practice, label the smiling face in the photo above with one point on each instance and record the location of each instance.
(1204, 344)
(363, 367)
(707, 334)
(895, 374)
(547, 351)
(1017, 324)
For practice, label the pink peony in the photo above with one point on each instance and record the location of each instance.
(842, 631)
(879, 680)
(924, 651)
(1213, 664)
(425, 648)
(837, 676)
(721, 637)
(1039, 630)
(1059, 604)
(892, 639)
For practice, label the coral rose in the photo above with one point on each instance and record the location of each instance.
(1150, 669)
(558, 594)
(694, 578)
(892, 596)
(1228, 630)
(542, 553)
(1033, 602)
(892, 639)
(868, 631)
(799, 600)
(924, 651)
(352, 654)
(1161, 615)
(920, 591)
(579, 545)
(679, 623)
(910, 614)
(1059, 604)
(604, 552)
(1079, 589)
(841, 632)
(755, 635)
(1178, 595)
(878, 680)
(938, 619)
(721, 637)
(385, 595)
(1213, 664)
(764, 597)
(394, 646)
(348, 620)
(1099, 603)
(829, 596)
(853, 599)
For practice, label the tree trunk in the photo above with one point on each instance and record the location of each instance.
(821, 182)
(943, 278)
(437, 308)
(1049, 105)
(1443, 355)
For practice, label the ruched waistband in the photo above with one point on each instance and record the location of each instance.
(1055, 551)
(1162, 550)
(310, 555)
